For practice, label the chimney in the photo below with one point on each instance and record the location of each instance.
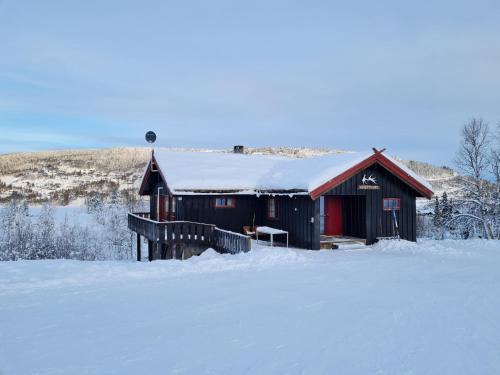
(238, 149)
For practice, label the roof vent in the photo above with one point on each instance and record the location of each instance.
(238, 149)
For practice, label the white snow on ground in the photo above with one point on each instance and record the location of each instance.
(395, 308)
(76, 213)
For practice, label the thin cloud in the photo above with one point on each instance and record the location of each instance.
(325, 74)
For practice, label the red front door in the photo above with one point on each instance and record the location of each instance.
(333, 216)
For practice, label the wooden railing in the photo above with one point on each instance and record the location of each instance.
(186, 232)
(176, 232)
(145, 215)
(232, 242)
(145, 227)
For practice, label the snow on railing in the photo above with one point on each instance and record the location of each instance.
(232, 242)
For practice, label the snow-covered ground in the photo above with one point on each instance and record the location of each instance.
(395, 308)
(76, 213)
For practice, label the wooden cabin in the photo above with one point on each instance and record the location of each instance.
(319, 201)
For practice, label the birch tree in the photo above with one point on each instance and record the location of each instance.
(495, 173)
(474, 162)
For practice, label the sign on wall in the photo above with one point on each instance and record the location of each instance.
(368, 183)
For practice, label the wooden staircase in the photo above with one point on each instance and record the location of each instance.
(341, 242)
(182, 239)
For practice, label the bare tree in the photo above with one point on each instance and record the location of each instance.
(495, 173)
(472, 157)
(474, 161)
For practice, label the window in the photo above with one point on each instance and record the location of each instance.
(391, 204)
(166, 207)
(224, 202)
(272, 208)
(170, 203)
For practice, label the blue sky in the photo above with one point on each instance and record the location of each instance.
(350, 75)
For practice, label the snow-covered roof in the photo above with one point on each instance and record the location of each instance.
(248, 174)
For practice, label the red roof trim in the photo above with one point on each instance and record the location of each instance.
(344, 176)
(377, 157)
(396, 170)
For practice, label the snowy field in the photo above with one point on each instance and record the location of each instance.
(395, 308)
(76, 213)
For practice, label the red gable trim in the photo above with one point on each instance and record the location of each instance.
(316, 193)
(377, 157)
(397, 171)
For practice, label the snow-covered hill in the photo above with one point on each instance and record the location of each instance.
(441, 178)
(65, 176)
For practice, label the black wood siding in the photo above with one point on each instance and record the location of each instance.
(354, 215)
(200, 208)
(295, 215)
(363, 215)
(378, 222)
(299, 215)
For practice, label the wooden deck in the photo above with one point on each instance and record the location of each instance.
(167, 239)
(336, 242)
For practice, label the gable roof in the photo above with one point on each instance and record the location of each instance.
(393, 166)
(186, 172)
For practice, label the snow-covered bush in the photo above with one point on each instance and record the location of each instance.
(44, 236)
(105, 237)
(16, 237)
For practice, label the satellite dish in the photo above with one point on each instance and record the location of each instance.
(150, 137)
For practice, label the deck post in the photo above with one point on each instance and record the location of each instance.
(169, 252)
(160, 246)
(163, 254)
(150, 250)
(138, 247)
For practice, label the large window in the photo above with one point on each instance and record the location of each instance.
(272, 208)
(225, 202)
(391, 204)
